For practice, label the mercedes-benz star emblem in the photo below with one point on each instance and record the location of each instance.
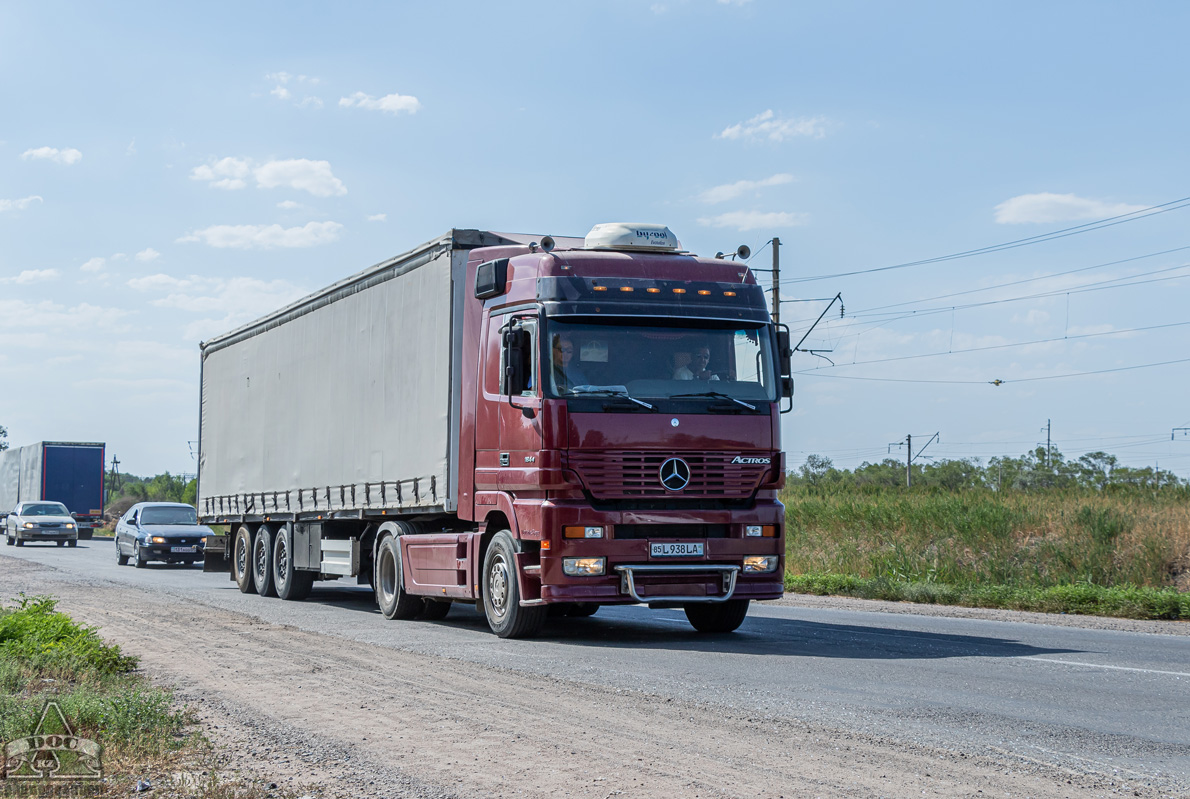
(675, 474)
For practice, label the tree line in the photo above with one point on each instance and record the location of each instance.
(1038, 469)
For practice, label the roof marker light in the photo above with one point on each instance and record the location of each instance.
(703, 292)
(653, 290)
(679, 291)
(625, 288)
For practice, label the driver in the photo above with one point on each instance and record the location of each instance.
(697, 370)
(567, 373)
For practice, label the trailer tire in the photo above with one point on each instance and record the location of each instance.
(291, 584)
(434, 609)
(722, 617)
(262, 561)
(390, 583)
(502, 593)
(241, 560)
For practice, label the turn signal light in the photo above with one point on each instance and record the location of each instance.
(582, 532)
(758, 530)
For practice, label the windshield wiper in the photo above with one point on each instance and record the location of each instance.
(716, 395)
(610, 392)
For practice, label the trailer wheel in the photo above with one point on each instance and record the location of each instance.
(241, 560)
(390, 585)
(262, 561)
(434, 609)
(291, 584)
(502, 593)
(723, 617)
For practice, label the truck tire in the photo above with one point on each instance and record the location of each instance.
(262, 561)
(502, 593)
(721, 617)
(434, 609)
(241, 560)
(291, 584)
(390, 583)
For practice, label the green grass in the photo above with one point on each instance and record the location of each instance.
(44, 654)
(1130, 602)
(1118, 554)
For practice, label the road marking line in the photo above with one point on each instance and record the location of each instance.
(1113, 668)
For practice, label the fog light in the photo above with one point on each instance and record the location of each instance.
(759, 564)
(583, 567)
(583, 532)
(158, 539)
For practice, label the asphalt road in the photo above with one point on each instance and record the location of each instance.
(1090, 700)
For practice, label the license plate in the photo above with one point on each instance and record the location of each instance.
(181, 549)
(674, 549)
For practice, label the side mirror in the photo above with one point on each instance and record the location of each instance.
(516, 341)
(785, 365)
(491, 278)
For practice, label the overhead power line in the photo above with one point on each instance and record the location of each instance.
(1143, 213)
(996, 382)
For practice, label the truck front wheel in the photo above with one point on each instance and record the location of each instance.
(291, 584)
(721, 617)
(241, 560)
(262, 561)
(390, 587)
(502, 593)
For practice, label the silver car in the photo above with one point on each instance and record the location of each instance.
(40, 521)
(165, 531)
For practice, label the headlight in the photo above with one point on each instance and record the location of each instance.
(758, 530)
(69, 526)
(582, 532)
(29, 525)
(760, 564)
(157, 539)
(584, 567)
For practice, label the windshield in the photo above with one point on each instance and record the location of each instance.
(168, 516)
(46, 509)
(659, 360)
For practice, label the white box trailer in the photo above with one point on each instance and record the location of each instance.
(343, 400)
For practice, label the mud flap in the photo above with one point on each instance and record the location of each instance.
(215, 554)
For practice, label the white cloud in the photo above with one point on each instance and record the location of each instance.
(389, 104)
(162, 282)
(288, 205)
(310, 102)
(67, 156)
(1047, 208)
(18, 205)
(766, 125)
(226, 173)
(31, 276)
(266, 237)
(147, 254)
(300, 173)
(235, 301)
(377, 217)
(734, 2)
(94, 265)
(278, 77)
(315, 177)
(47, 315)
(119, 257)
(755, 220)
(280, 92)
(131, 149)
(730, 191)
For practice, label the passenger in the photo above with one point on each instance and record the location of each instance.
(567, 373)
(697, 370)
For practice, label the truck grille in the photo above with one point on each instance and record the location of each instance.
(625, 474)
(647, 531)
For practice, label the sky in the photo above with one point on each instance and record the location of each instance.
(169, 172)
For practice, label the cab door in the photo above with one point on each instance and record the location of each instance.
(508, 419)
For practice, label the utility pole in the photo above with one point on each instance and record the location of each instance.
(1049, 451)
(1176, 430)
(776, 281)
(115, 481)
(909, 456)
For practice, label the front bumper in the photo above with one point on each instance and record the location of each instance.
(633, 575)
(164, 552)
(47, 535)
